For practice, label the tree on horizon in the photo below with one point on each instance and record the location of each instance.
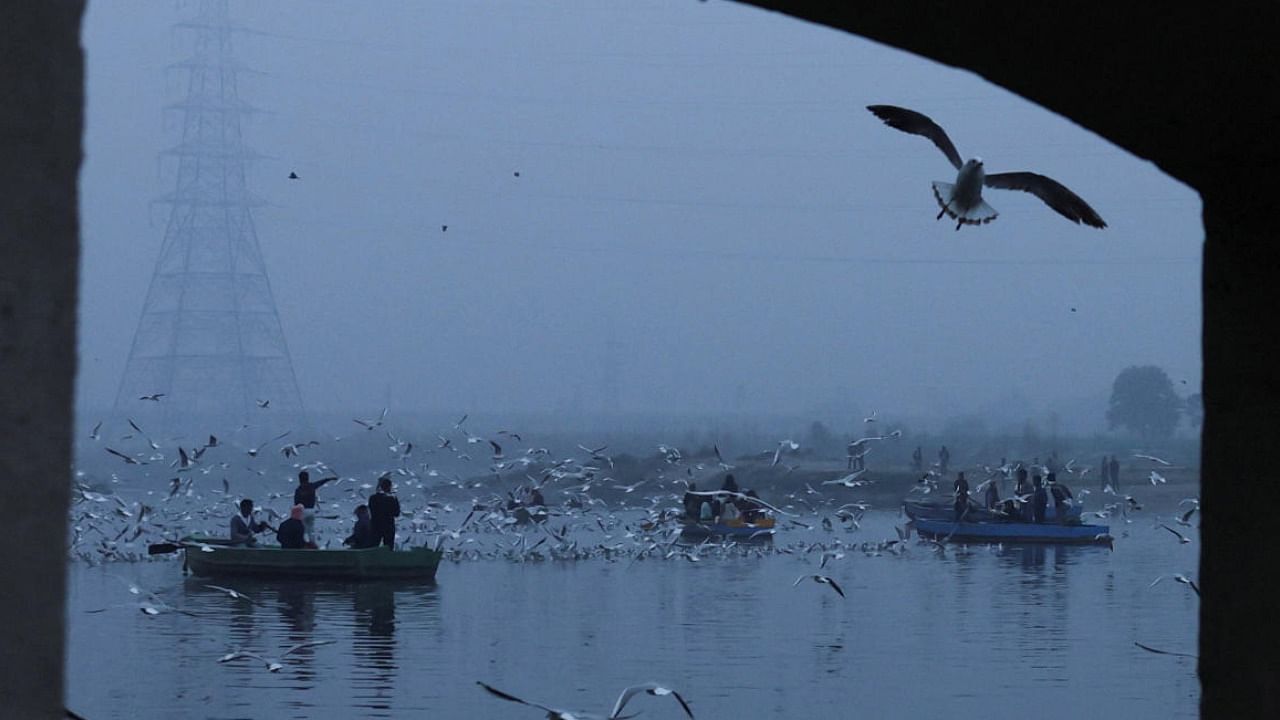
(1143, 401)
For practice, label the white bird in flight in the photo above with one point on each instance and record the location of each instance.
(273, 665)
(962, 201)
(615, 714)
(821, 579)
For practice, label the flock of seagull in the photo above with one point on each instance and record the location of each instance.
(641, 523)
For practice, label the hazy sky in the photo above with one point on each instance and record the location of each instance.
(704, 206)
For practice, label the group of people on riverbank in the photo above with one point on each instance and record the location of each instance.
(720, 508)
(374, 525)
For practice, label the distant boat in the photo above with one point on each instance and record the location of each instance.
(208, 557)
(1012, 532)
(916, 509)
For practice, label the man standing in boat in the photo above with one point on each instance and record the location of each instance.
(962, 495)
(944, 459)
(305, 495)
(1039, 500)
(917, 460)
(384, 508)
(1061, 497)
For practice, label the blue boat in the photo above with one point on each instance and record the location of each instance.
(1012, 532)
(919, 509)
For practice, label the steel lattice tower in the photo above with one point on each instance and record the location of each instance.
(210, 337)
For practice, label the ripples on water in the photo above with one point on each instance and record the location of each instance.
(983, 632)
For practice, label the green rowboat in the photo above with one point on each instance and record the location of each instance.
(209, 557)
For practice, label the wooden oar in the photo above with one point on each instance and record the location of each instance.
(164, 548)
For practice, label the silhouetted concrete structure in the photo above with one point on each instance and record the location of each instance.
(41, 123)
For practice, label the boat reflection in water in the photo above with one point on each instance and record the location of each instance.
(356, 620)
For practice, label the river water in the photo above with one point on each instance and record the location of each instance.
(976, 632)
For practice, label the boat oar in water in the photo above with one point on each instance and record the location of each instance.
(166, 548)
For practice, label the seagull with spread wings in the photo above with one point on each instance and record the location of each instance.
(962, 200)
(615, 714)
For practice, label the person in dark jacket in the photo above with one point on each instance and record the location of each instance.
(1039, 500)
(535, 499)
(1021, 487)
(291, 533)
(993, 495)
(1061, 497)
(384, 508)
(362, 534)
(305, 495)
(730, 484)
(692, 503)
(962, 495)
(752, 511)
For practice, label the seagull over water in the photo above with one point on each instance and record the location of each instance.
(615, 714)
(962, 200)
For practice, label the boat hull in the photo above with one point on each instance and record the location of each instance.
(699, 531)
(1009, 532)
(935, 511)
(274, 562)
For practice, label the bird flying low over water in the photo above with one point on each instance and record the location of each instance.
(615, 714)
(962, 200)
(820, 579)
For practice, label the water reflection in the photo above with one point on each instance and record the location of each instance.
(735, 634)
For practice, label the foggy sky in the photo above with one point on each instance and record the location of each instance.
(704, 210)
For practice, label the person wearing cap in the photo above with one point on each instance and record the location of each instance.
(292, 533)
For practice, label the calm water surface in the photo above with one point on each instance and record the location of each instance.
(976, 633)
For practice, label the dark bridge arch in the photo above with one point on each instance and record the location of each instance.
(1192, 88)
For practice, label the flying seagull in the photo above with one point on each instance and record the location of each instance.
(615, 714)
(822, 579)
(1182, 539)
(962, 201)
(273, 664)
(1150, 649)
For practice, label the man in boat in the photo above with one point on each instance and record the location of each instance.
(730, 484)
(292, 532)
(305, 495)
(535, 499)
(962, 495)
(992, 495)
(384, 508)
(1039, 500)
(362, 535)
(917, 460)
(1061, 497)
(1021, 486)
(692, 503)
(245, 525)
(752, 511)
(944, 458)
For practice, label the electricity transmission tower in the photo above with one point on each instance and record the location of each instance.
(210, 339)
